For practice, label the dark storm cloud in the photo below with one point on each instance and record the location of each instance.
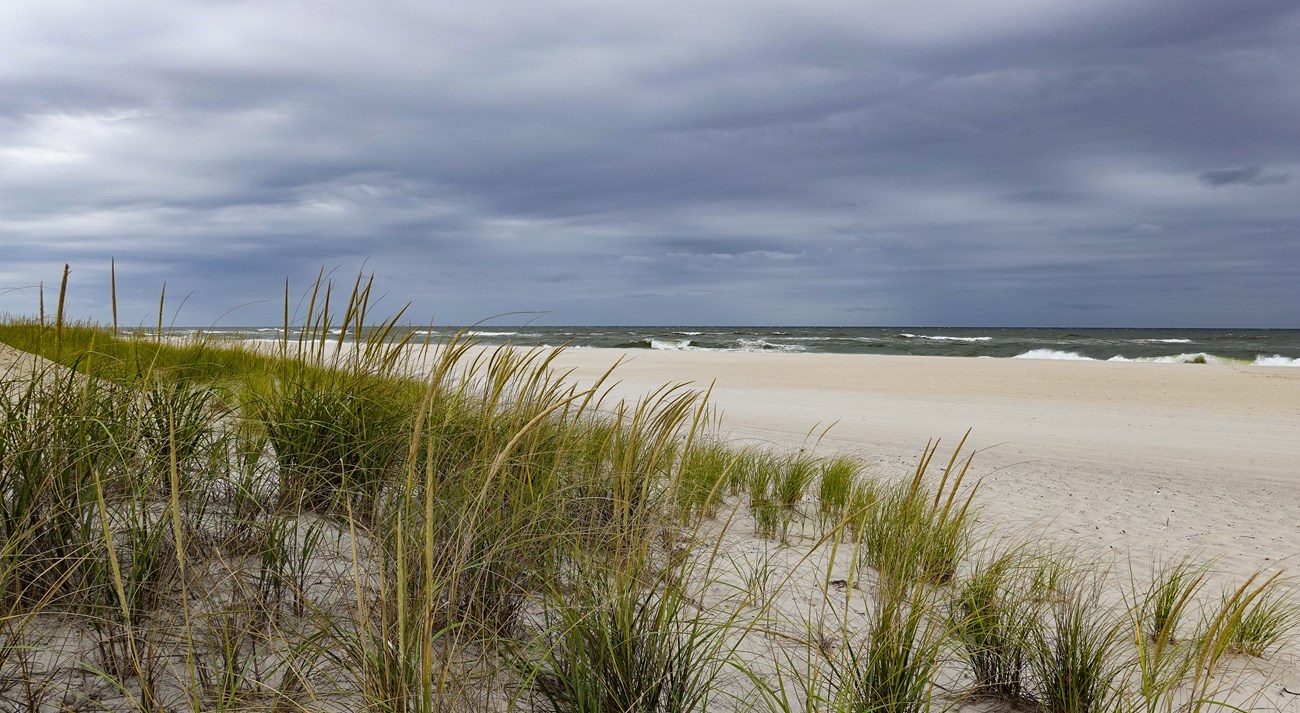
(1246, 176)
(939, 163)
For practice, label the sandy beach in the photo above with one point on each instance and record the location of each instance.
(1129, 464)
(1126, 465)
(1153, 460)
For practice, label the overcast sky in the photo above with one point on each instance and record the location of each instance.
(855, 162)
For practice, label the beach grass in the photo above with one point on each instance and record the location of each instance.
(325, 525)
(993, 612)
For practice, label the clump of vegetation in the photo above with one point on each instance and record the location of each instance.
(919, 531)
(839, 478)
(995, 612)
(624, 645)
(707, 471)
(893, 665)
(1073, 654)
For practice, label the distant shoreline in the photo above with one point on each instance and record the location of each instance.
(1264, 347)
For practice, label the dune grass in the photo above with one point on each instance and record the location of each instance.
(919, 529)
(993, 613)
(322, 526)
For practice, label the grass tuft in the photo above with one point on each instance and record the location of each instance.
(916, 531)
(995, 613)
(1074, 653)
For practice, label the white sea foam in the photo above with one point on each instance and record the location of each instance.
(491, 334)
(1053, 354)
(1187, 358)
(759, 345)
(741, 345)
(1166, 341)
(946, 339)
(1195, 358)
(1276, 360)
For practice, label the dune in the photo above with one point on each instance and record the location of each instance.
(1129, 465)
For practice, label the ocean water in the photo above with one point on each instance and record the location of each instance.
(1270, 347)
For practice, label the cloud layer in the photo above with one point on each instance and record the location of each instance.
(1069, 163)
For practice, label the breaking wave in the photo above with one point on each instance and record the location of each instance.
(1276, 360)
(906, 335)
(1189, 358)
(690, 345)
(1197, 358)
(759, 345)
(1271, 348)
(1052, 354)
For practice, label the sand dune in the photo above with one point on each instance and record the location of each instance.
(1142, 461)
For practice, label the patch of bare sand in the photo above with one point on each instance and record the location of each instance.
(15, 363)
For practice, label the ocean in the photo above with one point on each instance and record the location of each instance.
(1269, 347)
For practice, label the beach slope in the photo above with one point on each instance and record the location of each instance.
(1151, 459)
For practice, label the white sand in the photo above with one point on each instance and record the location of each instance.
(1144, 462)
(1151, 459)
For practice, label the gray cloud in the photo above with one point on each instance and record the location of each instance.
(683, 162)
(1245, 176)
(1083, 307)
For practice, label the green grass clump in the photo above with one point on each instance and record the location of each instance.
(995, 612)
(1259, 615)
(1265, 622)
(179, 420)
(705, 479)
(863, 499)
(335, 434)
(624, 646)
(1074, 653)
(762, 477)
(914, 531)
(793, 481)
(893, 665)
(839, 477)
(1168, 599)
(61, 443)
(1157, 612)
